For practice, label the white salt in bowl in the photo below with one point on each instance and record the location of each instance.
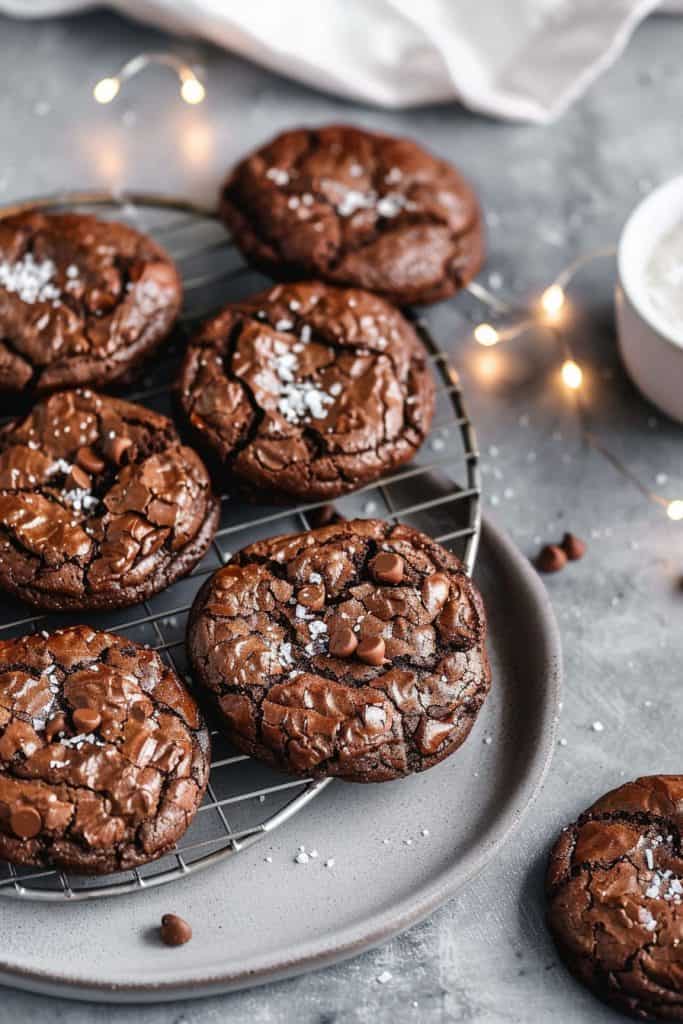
(650, 334)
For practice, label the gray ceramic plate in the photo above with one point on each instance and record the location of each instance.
(400, 849)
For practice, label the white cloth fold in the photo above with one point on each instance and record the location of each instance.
(527, 59)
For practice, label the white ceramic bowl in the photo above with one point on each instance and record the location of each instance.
(651, 348)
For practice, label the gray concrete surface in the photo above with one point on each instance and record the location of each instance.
(550, 193)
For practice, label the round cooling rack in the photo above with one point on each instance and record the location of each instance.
(439, 492)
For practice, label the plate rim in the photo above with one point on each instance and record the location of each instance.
(355, 939)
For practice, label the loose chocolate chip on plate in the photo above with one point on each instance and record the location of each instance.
(573, 547)
(551, 558)
(387, 568)
(25, 822)
(174, 930)
(86, 719)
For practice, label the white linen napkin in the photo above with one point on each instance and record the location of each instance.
(525, 60)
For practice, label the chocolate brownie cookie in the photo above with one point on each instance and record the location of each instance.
(354, 650)
(104, 757)
(82, 301)
(308, 389)
(100, 504)
(354, 207)
(615, 892)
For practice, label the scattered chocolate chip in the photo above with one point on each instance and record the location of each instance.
(54, 727)
(89, 460)
(312, 596)
(387, 568)
(116, 448)
(573, 547)
(25, 822)
(551, 558)
(435, 591)
(372, 650)
(343, 642)
(78, 479)
(86, 719)
(174, 930)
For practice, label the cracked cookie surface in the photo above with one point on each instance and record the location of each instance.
(104, 756)
(100, 504)
(354, 207)
(82, 301)
(615, 897)
(356, 650)
(308, 390)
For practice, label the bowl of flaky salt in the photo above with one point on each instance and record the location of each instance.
(649, 297)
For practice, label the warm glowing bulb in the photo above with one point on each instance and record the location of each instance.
(552, 300)
(674, 509)
(486, 334)
(192, 91)
(572, 374)
(106, 90)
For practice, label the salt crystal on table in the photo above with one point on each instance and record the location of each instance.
(384, 977)
(597, 727)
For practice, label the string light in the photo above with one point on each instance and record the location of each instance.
(106, 90)
(486, 334)
(553, 302)
(192, 90)
(572, 374)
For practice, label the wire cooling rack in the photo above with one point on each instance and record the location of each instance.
(439, 492)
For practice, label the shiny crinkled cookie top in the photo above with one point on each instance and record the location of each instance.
(104, 755)
(308, 389)
(615, 896)
(353, 207)
(100, 504)
(82, 301)
(355, 650)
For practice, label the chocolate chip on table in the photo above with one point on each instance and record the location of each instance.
(551, 558)
(371, 650)
(343, 642)
(573, 547)
(25, 822)
(387, 568)
(86, 719)
(174, 931)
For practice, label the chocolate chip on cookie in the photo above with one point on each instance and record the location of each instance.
(386, 678)
(103, 792)
(615, 897)
(355, 207)
(308, 390)
(82, 301)
(138, 518)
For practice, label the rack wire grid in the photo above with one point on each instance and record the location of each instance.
(245, 800)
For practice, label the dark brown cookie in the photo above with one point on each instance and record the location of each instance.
(82, 301)
(100, 504)
(104, 756)
(615, 892)
(308, 390)
(355, 650)
(354, 207)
